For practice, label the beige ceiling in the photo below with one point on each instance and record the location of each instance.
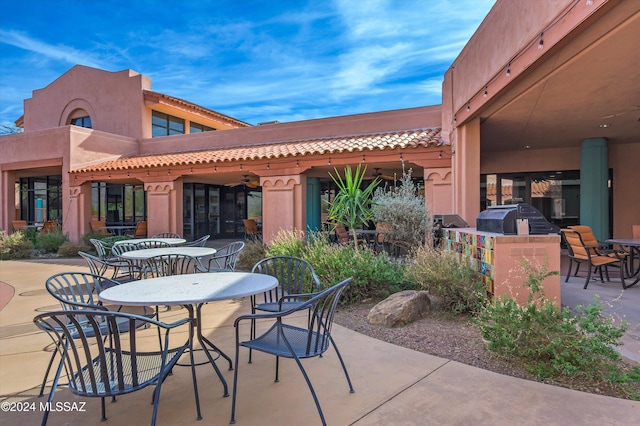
(593, 80)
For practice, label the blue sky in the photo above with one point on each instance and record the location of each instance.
(257, 61)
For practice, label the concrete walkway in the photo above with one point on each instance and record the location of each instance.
(394, 385)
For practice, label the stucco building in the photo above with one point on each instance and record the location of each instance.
(541, 106)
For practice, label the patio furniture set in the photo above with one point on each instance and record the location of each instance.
(101, 347)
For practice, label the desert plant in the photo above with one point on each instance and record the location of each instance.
(287, 243)
(351, 206)
(14, 246)
(403, 211)
(456, 285)
(69, 249)
(50, 242)
(253, 252)
(552, 341)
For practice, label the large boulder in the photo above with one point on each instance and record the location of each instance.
(400, 308)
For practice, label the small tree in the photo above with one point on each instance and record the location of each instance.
(404, 211)
(352, 205)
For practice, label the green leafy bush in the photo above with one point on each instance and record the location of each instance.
(552, 341)
(69, 249)
(50, 242)
(438, 271)
(287, 243)
(14, 246)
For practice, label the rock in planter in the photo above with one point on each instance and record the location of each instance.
(400, 308)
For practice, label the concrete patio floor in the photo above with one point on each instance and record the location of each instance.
(394, 385)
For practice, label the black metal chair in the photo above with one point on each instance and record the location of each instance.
(200, 242)
(297, 342)
(149, 244)
(75, 291)
(170, 264)
(97, 366)
(120, 248)
(101, 267)
(225, 258)
(295, 277)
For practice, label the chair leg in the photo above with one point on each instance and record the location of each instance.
(588, 277)
(313, 392)
(569, 272)
(277, 369)
(344, 367)
(104, 410)
(46, 373)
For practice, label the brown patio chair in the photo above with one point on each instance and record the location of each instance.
(580, 252)
(251, 230)
(49, 226)
(295, 342)
(141, 230)
(99, 226)
(19, 225)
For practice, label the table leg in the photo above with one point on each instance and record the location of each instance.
(193, 364)
(204, 342)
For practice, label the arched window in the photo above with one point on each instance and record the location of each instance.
(80, 118)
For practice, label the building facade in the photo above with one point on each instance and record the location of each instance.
(541, 106)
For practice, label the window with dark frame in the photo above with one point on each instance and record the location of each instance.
(81, 122)
(199, 128)
(165, 125)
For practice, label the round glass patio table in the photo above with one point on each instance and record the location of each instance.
(192, 290)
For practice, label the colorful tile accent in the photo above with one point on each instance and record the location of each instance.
(476, 250)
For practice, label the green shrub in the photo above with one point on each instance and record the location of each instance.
(438, 271)
(253, 252)
(69, 249)
(14, 246)
(50, 242)
(552, 341)
(287, 243)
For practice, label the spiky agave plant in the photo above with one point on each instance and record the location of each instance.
(352, 205)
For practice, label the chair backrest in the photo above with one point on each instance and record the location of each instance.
(588, 237)
(226, 257)
(323, 307)
(342, 234)
(123, 247)
(575, 244)
(49, 226)
(295, 276)
(97, 266)
(166, 235)
(99, 226)
(635, 231)
(170, 264)
(98, 367)
(251, 229)
(102, 249)
(141, 230)
(200, 242)
(148, 244)
(78, 290)
(19, 225)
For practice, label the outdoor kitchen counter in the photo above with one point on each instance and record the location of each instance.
(498, 257)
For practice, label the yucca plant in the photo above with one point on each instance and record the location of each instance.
(352, 205)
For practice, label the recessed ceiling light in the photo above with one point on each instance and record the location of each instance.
(605, 125)
(527, 146)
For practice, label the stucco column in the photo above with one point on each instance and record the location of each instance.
(466, 171)
(594, 190)
(8, 197)
(164, 207)
(437, 190)
(77, 217)
(283, 204)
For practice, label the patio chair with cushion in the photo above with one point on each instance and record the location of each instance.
(200, 242)
(580, 252)
(97, 366)
(296, 342)
(225, 258)
(49, 226)
(295, 277)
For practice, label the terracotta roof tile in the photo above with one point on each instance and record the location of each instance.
(413, 138)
